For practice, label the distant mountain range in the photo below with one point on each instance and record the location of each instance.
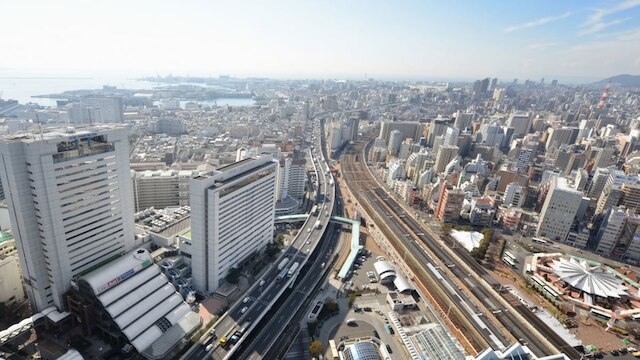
(625, 80)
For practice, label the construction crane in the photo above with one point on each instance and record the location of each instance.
(603, 98)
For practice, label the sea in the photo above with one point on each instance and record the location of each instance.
(23, 87)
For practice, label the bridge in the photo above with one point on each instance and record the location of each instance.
(355, 248)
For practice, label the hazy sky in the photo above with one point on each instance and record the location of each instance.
(286, 39)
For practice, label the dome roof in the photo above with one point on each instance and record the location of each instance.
(590, 279)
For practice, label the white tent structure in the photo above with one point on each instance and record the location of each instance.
(590, 279)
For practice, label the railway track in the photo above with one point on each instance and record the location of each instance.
(363, 186)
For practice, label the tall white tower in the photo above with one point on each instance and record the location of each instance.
(232, 216)
(70, 202)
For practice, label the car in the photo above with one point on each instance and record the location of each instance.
(308, 230)
(261, 283)
(322, 266)
(208, 348)
(246, 300)
(223, 342)
(308, 242)
(389, 349)
(373, 281)
(368, 309)
(615, 353)
(308, 250)
(375, 333)
(244, 309)
(212, 331)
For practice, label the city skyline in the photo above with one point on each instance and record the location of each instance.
(571, 41)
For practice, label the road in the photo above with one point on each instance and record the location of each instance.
(294, 303)
(260, 298)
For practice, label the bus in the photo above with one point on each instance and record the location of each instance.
(334, 350)
(282, 274)
(283, 263)
(508, 261)
(293, 269)
(539, 241)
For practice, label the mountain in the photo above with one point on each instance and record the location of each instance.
(624, 80)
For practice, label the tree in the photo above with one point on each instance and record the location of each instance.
(316, 348)
(233, 276)
(352, 299)
(272, 249)
(446, 228)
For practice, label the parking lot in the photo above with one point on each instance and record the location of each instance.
(363, 274)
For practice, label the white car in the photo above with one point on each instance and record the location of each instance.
(261, 283)
(208, 348)
(246, 300)
(244, 309)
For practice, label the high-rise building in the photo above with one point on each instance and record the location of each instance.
(409, 129)
(109, 108)
(604, 157)
(629, 244)
(521, 124)
(395, 140)
(525, 157)
(559, 209)
(161, 189)
(444, 157)
(232, 217)
(449, 204)
(611, 196)
(396, 172)
(463, 120)
(598, 181)
(297, 175)
(492, 134)
(631, 196)
(610, 230)
(451, 136)
(611, 193)
(70, 202)
(515, 195)
(437, 127)
(560, 136)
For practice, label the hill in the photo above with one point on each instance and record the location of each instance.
(624, 80)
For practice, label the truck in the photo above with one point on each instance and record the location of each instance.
(293, 269)
(318, 225)
(282, 274)
(283, 263)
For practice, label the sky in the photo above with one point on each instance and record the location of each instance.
(401, 40)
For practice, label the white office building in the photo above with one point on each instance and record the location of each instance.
(559, 210)
(232, 217)
(514, 195)
(70, 202)
(108, 108)
(297, 176)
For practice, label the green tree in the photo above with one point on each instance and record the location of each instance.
(446, 228)
(233, 276)
(316, 348)
(352, 299)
